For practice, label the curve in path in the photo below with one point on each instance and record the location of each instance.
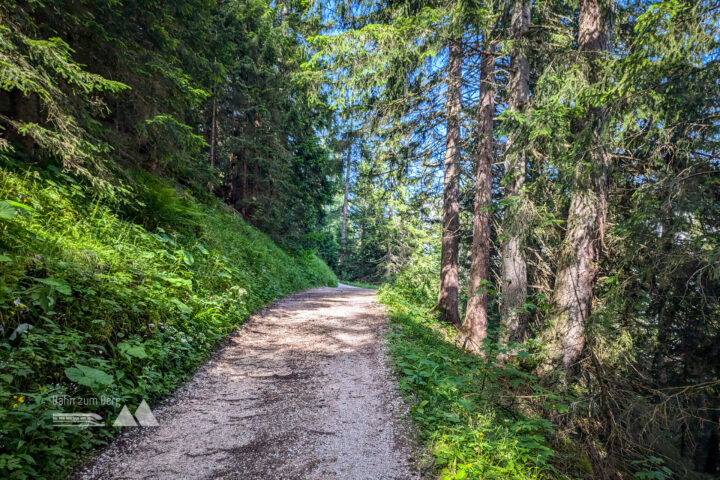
(302, 391)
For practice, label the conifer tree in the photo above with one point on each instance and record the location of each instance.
(514, 264)
(476, 316)
(448, 295)
(578, 266)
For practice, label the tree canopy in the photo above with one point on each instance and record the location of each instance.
(535, 182)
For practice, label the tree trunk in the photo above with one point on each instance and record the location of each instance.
(24, 108)
(577, 272)
(343, 230)
(448, 295)
(514, 266)
(476, 317)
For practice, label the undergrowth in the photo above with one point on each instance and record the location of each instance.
(116, 299)
(470, 410)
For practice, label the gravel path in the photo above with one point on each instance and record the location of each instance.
(302, 391)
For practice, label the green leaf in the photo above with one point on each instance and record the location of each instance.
(137, 351)
(7, 211)
(88, 376)
(25, 207)
(187, 258)
(74, 374)
(22, 328)
(27, 458)
(59, 284)
(184, 308)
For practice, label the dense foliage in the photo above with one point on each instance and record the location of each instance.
(120, 270)
(203, 91)
(541, 174)
(467, 407)
(96, 303)
(586, 204)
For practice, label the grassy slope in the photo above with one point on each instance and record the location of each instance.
(125, 300)
(477, 418)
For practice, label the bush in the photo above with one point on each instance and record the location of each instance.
(122, 299)
(466, 406)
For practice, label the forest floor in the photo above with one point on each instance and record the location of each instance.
(301, 391)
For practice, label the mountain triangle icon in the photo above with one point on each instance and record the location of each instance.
(125, 419)
(144, 415)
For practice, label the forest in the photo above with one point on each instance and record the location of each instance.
(530, 188)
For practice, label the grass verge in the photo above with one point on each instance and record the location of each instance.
(116, 299)
(469, 411)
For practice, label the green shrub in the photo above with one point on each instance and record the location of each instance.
(123, 299)
(463, 404)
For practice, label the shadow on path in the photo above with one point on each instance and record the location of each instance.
(300, 392)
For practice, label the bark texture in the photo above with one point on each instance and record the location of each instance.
(514, 264)
(476, 316)
(448, 295)
(577, 272)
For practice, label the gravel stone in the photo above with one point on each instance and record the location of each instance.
(301, 391)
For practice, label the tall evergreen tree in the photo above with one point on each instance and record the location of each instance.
(448, 295)
(514, 264)
(578, 266)
(476, 316)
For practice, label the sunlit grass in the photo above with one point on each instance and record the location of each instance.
(120, 298)
(455, 400)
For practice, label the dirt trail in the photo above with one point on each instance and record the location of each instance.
(300, 392)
